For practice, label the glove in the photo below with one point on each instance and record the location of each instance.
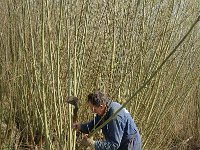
(86, 141)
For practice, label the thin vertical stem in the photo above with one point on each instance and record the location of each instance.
(48, 144)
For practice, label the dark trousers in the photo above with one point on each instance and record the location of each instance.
(131, 144)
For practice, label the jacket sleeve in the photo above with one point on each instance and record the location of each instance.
(88, 126)
(114, 133)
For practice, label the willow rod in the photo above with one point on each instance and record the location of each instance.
(48, 144)
(58, 76)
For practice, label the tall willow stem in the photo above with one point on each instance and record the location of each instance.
(113, 45)
(48, 144)
(62, 141)
(69, 87)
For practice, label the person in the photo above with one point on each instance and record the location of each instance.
(120, 133)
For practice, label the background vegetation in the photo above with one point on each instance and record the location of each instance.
(51, 49)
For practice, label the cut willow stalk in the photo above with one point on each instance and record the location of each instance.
(147, 81)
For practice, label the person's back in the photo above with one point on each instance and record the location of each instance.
(122, 129)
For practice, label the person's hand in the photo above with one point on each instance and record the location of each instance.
(76, 126)
(86, 141)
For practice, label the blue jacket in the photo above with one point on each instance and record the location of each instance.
(120, 133)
